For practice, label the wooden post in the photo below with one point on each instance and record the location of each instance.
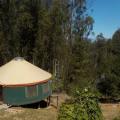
(47, 102)
(57, 101)
(49, 99)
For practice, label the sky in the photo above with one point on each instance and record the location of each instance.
(106, 14)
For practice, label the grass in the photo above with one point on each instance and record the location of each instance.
(29, 114)
(49, 113)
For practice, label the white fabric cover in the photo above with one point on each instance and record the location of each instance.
(21, 72)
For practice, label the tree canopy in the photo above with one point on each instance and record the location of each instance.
(53, 34)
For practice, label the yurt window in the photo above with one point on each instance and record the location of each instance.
(31, 91)
(45, 88)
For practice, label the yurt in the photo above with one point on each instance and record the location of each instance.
(23, 83)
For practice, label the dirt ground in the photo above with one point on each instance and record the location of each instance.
(110, 111)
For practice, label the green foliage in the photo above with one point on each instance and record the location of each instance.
(108, 64)
(42, 33)
(81, 73)
(117, 118)
(84, 106)
(66, 112)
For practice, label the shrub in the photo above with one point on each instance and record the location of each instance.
(117, 118)
(84, 107)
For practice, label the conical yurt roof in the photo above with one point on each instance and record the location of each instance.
(19, 72)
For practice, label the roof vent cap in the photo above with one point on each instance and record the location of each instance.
(18, 58)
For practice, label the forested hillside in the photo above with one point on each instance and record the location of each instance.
(54, 35)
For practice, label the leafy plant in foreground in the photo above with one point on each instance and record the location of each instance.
(83, 107)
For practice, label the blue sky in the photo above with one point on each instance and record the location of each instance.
(106, 14)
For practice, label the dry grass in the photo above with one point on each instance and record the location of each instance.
(110, 111)
(49, 113)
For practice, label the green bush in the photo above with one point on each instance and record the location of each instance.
(83, 107)
(66, 112)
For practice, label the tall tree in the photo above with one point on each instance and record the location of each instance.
(108, 65)
(81, 57)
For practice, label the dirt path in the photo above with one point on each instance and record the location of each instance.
(110, 111)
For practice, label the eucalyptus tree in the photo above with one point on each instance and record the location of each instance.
(81, 61)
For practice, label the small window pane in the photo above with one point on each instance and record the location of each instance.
(46, 88)
(31, 91)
